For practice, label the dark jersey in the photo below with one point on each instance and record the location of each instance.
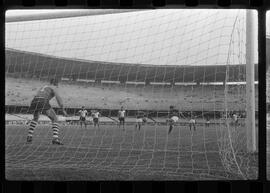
(45, 92)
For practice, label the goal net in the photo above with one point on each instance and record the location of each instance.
(268, 91)
(147, 61)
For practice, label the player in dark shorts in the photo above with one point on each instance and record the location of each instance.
(40, 104)
(140, 119)
(83, 113)
(82, 119)
(95, 115)
(121, 117)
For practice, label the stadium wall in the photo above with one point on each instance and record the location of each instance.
(13, 109)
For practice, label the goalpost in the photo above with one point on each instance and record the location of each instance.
(202, 63)
(250, 58)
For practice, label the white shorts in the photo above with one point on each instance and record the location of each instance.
(192, 121)
(140, 120)
(174, 119)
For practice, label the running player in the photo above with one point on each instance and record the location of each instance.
(140, 119)
(173, 118)
(192, 122)
(121, 117)
(83, 113)
(40, 104)
(96, 115)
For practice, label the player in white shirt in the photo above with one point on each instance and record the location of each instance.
(121, 117)
(207, 124)
(173, 118)
(96, 115)
(83, 113)
(235, 119)
(192, 122)
(140, 119)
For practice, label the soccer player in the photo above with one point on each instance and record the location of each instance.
(40, 104)
(83, 113)
(192, 122)
(173, 118)
(207, 121)
(140, 119)
(235, 119)
(121, 117)
(96, 115)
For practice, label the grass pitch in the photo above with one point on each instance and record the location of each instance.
(109, 153)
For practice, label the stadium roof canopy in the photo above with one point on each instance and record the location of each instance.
(27, 63)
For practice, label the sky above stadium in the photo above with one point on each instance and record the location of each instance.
(158, 37)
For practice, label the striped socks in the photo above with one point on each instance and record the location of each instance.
(55, 127)
(32, 127)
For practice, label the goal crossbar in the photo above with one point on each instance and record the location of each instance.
(66, 14)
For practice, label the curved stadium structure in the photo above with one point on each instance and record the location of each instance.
(194, 60)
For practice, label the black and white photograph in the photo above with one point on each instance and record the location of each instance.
(132, 94)
(268, 92)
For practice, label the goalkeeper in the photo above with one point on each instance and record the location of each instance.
(41, 104)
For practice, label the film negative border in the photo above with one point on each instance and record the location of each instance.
(136, 187)
(263, 4)
(259, 185)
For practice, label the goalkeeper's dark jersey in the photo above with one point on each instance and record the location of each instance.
(45, 92)
(40, 102)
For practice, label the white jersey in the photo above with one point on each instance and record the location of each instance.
(139, 120)
(175, 118)
(95, 115)
(122, 113)
(83, 113)
(192, 121)
(235, 117)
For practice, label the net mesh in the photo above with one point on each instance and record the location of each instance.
(268, 90)
(144, 61)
